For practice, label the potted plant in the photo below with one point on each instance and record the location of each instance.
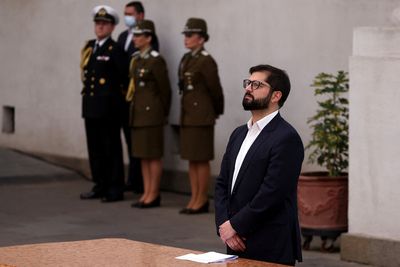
(323, 195)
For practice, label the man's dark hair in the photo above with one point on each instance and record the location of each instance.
(277, 79)
(137, 5)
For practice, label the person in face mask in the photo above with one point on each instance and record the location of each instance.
(133, 13)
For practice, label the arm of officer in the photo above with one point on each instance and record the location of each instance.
(162, 79)
(210, 73)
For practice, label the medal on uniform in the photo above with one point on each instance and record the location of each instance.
(141, 72)
(189, 81)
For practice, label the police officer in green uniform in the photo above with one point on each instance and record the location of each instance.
(149, 92)
(202, 103)
(104, 68)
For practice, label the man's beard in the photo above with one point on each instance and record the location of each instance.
(256, 104)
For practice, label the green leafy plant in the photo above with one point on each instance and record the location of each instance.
(329, 144)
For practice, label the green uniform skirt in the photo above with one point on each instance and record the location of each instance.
(147, 142)
(197, 143)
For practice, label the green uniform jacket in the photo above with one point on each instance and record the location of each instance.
(152, 97)
(202, 97)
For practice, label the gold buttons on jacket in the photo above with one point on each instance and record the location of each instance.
(141, 72)
(102, 81)
(195, 104)
(147, 108)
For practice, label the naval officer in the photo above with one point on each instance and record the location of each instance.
(104, 75)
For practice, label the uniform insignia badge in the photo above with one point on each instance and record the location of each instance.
(204, 53)
(154, 53)
(103, 58)
(102, 81)
(102, 12)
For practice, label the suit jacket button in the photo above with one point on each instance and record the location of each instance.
(91, 94)
(195, 104)
(92, 86)
(147, 108)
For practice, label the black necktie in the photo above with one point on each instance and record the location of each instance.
(96, 47)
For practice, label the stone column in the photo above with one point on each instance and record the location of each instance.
(374, 171)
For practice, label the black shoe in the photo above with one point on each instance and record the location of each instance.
(155, 203)
(202, 209)
(112, 198)
(90, 195)
(137, 204)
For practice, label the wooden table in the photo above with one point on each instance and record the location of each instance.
(110, 252)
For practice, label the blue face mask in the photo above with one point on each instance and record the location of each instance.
(130, 21)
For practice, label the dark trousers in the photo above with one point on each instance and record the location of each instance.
(135, 179)
(105, 155)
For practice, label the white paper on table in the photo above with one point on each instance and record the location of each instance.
(207, 257)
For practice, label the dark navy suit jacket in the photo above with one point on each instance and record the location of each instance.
(262, 207)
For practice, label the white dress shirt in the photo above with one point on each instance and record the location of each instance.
(99, 43)
(254, 130)
(128, 39)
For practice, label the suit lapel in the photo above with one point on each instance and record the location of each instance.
(258, 143)
(235, 151)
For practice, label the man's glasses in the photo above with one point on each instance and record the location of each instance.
(254, 84)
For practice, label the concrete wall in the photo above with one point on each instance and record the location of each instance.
(374, 218)
(41, 41)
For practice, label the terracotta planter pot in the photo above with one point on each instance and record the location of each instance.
(323, 202)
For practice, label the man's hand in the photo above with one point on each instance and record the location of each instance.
(230, 237)
(236, 243)
(226, 231)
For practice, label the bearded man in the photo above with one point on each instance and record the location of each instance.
(256, 190)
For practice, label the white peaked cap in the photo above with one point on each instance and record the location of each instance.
(109, 12)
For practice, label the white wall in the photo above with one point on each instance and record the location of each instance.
(374, 133)
(41, 41)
